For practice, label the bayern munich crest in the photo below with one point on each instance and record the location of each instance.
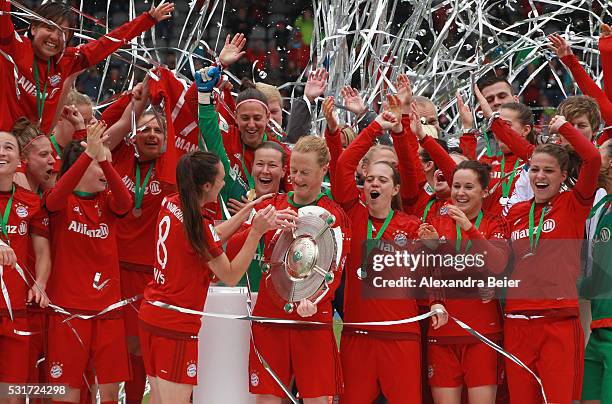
(304, 260)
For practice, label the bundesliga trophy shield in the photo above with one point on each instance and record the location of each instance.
(304, 260)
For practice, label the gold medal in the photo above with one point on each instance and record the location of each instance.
(137, 212)
(251, 195)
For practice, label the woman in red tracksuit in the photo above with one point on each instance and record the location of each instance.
(515, 122)
(83, 214)
(43, 63)
(307, 352)
(455, 357)
(24, 235)
(375, 358)
(542, 327)
(188, 252)
(37, 162)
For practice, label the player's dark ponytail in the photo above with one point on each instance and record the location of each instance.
(193, 171)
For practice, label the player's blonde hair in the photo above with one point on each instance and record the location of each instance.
(271, 93)
(313, 144)
(76, 98)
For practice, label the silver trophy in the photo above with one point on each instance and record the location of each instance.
(304, 260)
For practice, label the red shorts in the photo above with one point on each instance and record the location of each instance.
(133, 284)
(311, 355)
(14, 349)
(453, 365)
(371, 364)
(552, 349)
(172, 359)
(37, 320)
(102, 346)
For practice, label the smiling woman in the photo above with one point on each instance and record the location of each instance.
(37, 154)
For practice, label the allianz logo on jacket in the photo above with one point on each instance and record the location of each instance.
(548, 226)
(153, 188)
(30, 87)
(83, 228)
(21, 228)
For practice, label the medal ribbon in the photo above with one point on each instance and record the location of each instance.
(459, 236)
(56, 146)
(427, 208)
(534, 243)
(508, 184)
(244, 168)
(139, 189)
(7, 213)
(488, 144)
(84, 194)
(382, 229)
(40, 98)
(297, 205)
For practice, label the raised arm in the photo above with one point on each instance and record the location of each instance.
(584, 81)
(503, 132)
(139, 101)
(438, 155)
(332, 137)
(120, 200)
(57, 198)
(7, 29)
(345, 190)
(94, 52)
(605, 56)
(302, 108)
(586, 185)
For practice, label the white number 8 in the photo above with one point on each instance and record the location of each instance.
(163, 235)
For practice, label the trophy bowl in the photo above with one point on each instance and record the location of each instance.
(304, 259)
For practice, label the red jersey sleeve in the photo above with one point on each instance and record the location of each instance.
(94, 52)
(591, 162)
(334, 144)
(440, 157)
(113, 113)
(120, 199)
(467, 143)
(346, 192)
(518, 145)
(8, 41)
(492, 240)
(212, 239)
(605, 56)
(414, 150)
(57, 198)
(39, 224)
(409, 189)
(588, 86)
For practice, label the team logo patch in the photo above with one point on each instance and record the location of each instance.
(192, 370)
(21, 211)
(214, 233)
(23, 228)
(604, 235)
(430, 371)
(254, 379)
(548, 225)
(154, 187)
(55, 80)
(400, 239)
(56, 370)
